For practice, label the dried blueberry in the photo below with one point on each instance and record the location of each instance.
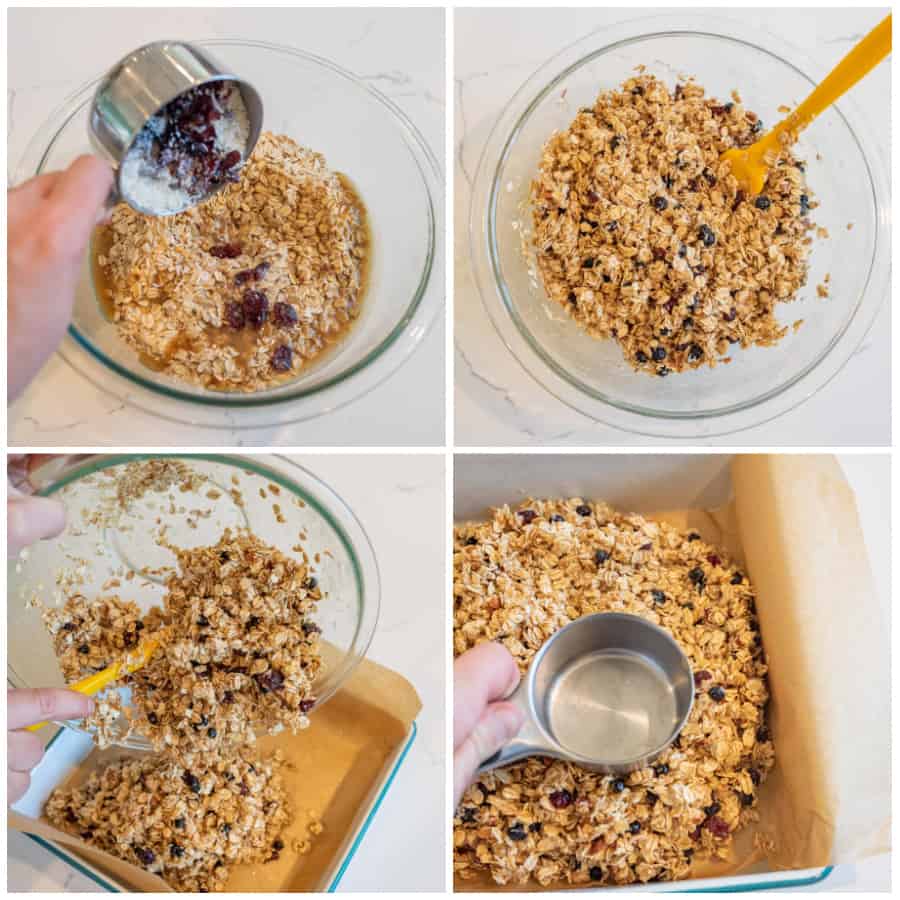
(152, 718)
(202, 621)
(601, 556)
(658, 354)
(527, 516)
(660, 203)
(707, 236)
(717, 693)
(192, 781)
(651, 798)
(517, 832)
(212, 733)
(596, 873)
(661, 769)
(535, 827)
(583, 510)
(176, 849)
(763, 202)
(641, 357)
(179, 823)
(617, 785)
(634, 827)
(467, 815)
(658, 595)
(145, 857)
(84, 649)
(561, 799)
(306, 705)
(695, 353)
(737, 578)
(712, 809)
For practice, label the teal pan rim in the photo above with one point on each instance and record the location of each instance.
(111, 888)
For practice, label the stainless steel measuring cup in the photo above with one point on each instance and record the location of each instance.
(141, 84)
(610, 691)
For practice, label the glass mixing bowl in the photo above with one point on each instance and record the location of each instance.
(845, 170)
(361, 134)
(92, 554)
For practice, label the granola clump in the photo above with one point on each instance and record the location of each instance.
(88, 635)
(643, 236)
(188, 827)
(526, 573)
(243, 290)
(242, 652)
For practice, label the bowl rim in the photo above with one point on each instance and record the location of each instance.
(358, 547)
(501, 308)
(417, 319)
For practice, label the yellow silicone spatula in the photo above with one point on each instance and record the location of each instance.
(131, 662)
(750, 165)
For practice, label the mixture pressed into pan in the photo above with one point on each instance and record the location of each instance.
(188, 827)
(526, 573)
(644, 237)
(239, 654)
(242, 291)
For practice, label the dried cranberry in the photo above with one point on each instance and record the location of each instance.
(701, 676)
(284, 315)
(272, 680)
(283, 359)
(561, 799)
(226, 251)
(713, 560)
(231, 159)
(307, 705)
(717, 826)
(256, 308)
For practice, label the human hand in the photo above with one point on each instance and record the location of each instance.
(49, 222)
(482, 722)
(28, 518)
(24, 749)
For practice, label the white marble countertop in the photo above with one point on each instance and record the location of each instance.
(54, 51)
(497, 403)
(404, 848)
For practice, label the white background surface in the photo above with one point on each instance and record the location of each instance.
(400, 502)
(497, 402)
(54, 51)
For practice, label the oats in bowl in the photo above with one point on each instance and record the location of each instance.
(243, 291)
(644, 237)
(525, 574)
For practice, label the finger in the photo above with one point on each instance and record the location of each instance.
(17, 784)
(32, 705)
(75, 204)
(19, 468)
(23, 750)
(31, 519)
(498, 725)
(484, 673)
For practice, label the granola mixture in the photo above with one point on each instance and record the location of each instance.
(242, 291)
(242, 652)
(239, 653)
(526, 573)
(642, 235)
(188, 827)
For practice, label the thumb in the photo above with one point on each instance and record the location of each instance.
(497, 725)
(30, 519)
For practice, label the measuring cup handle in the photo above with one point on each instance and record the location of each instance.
(528, 742)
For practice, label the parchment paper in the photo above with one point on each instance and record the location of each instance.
(336, 768)
(793, 524)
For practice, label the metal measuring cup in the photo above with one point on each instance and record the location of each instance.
(140, 85)
(610, 692)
